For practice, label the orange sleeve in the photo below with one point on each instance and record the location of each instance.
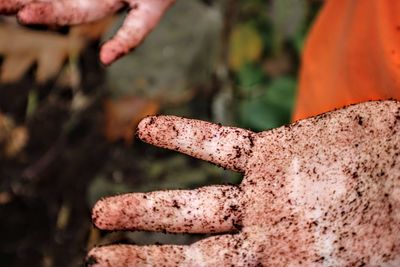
(352, 55)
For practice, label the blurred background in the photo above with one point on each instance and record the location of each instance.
(67, 124)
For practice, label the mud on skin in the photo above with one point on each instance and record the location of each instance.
(324, 191)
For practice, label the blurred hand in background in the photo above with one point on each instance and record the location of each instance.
(143, 16)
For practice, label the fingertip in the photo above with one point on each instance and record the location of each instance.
(110, 52)
(143, 125)
(227, 147)
(116, 213)
(97, 214)
(107, 214)
(97, 257)
(106, 57)
(91, 261)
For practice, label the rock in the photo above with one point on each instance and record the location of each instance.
(179, 54)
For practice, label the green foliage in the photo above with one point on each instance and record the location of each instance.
(266, 85)
(288, 18)
(246, 46)
(250, 76)
(271, 109)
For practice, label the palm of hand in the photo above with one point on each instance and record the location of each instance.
(330, 186)
(325, 190)
(142, 18)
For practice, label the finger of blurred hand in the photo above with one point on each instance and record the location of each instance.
(67, 12)
(225, 146)
(12, 6)
(142, 18)
(204, 210)
(226, 250)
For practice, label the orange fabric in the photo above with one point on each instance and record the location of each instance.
(351, 55)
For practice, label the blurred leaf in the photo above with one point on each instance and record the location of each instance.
(49, 50)
(16, 141)
(33, 102)
(22, 48)
(288, 18)
(271, 110)
(63, 217)
(245, 46)
(6, 126)
(281, 92)
(94, 237)
(13, 138)
(123, 115)
(299, 40)
(259, 115)
(250, 75)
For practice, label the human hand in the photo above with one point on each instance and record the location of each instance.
(141, 19)
(322, 191)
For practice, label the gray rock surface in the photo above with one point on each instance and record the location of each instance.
(179, 54)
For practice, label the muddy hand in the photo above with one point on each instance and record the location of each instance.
(142, 18)
(322, 191)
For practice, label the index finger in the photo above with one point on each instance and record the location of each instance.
(227, 147)
(141, 20)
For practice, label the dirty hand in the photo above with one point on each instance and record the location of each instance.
(142, 18)
(322, 191)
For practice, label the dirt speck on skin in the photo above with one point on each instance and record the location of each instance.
(90, 261)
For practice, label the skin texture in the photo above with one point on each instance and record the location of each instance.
(142, 17)
(324, 191)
